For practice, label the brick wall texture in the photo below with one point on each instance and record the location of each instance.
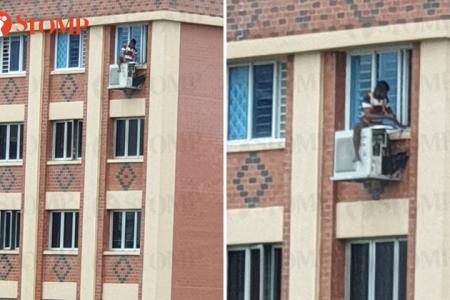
(251, 19)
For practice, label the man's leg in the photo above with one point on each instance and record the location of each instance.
(357, 139)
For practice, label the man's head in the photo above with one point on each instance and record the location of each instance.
(381, 89)
(133, 43)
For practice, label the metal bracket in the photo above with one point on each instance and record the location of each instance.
(375, 188)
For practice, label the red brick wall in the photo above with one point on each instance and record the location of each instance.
(258, 19)
(13, 90)
(198, 213)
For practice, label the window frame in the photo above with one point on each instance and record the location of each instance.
(138, 143)
(74, 237)
(8, 142)
(372, 262)
(16, 230)
(137, 214)
(75, 142)
(276, 103)
(22, 66)
(80, 54)
(143, 53)
(403, 75)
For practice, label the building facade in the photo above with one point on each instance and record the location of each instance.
(297, 71)
(112, 194)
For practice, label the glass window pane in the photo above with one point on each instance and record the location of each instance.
(56, 230)
(277, 265)
(129, 229)
(13, 141)
(120, 137)
(360, 85)
(24, 53)
(59, 140)
(262, 100)
(388, 71)
(122, 39)
(61, 50)
(74, 51)
(236, 275)
(132, 137)
(80, 140)
(117, 230)
(17, 229)
(2, 229)
(359, 272)
(384, 270)
(14, 55)
(69, 140)
(403, 254)
(141, 137)
(136, 33)
(7, 230)
(255, 261)
(138, 231)
(68, 226)
(3, 142)
(76, 230)
(238, 103)
(21, 141)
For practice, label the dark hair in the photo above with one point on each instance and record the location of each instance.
(381, 90)
(133, 41)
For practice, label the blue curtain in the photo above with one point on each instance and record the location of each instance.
(360, 85)
(262, 100)
(238, 103)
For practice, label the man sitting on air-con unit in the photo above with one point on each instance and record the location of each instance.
(129, 54)
(374, 110)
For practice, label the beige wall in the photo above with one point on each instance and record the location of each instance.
(124, 199)
(127, 108)
(62, 200)
(113, 291)
(12, 112)
(433, 189)
(66, 110)
(10, 201)
(8, 289)
(59, 290)
(304, 249)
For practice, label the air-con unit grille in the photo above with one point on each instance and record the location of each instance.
(345, 154)
(114, 75)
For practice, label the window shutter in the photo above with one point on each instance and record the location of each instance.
(282, 95)
(360, 85)
(5, 56)
(61, 55)
(238, 103)
(388, 71)
(262, 100)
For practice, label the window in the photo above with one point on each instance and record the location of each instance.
(69, 50)
(63, 230)
(125, 228)
(9, 229)
(11, 142)
(376, 270)
(125, 33)
(254, 273)
(256, 101)
(67, 139)
(13, 53)
(129, 138)
(366, 68)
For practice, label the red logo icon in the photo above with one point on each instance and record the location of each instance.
(5, 23)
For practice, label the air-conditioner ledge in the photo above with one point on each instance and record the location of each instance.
(395, 135)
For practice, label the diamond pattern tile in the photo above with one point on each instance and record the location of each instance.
(126, 176)
(65, 178)
(7, 179)
(61, 268)
(122, 269)
(6, 267)
(68, 88)
(10, 90)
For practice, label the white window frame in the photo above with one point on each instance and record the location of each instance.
(74, 155)
(127, 124)
(122, 238)
(372, 262)
(22, 67)
(61, 238)
(8, 141)
(80, 54)
(143, 42)
(16, 240)
(275, 137)
(403, 95)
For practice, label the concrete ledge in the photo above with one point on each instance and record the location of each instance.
(244, 226)
(66, 110)
(362, 219)
(59, 290)
(10, 201)
(127, 108)
(113, 291)
(12, 113)
(62, 200)
(124, 200)
(8, 289)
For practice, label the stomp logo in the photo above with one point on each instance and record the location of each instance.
(53, 25)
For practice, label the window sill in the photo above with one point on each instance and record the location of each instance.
(256, 145)
(396, 135)
(124, 160)
(64, 162)
(11, 163)
(68, 71)
(61, 252)
(10, 252)
(119, 253)
(13, 74)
